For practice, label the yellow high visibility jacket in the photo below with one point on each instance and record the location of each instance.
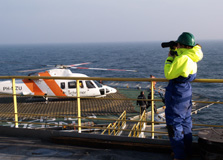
(184, 64)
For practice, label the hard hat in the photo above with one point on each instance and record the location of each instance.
(186, 38)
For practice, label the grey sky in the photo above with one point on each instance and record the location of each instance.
(72, 21)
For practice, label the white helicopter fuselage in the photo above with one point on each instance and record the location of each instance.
(57, 87)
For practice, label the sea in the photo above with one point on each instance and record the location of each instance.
(146, 57)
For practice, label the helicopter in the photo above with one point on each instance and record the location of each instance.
(59, 87)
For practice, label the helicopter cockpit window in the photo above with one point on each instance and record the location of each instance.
(98, 84)
(62, 85)
(72, 84)
(90, 84)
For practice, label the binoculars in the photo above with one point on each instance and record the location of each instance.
(172, 45)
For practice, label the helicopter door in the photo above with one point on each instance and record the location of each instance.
(92, 89)
(71, 90)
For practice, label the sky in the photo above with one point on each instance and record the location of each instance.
(84, 21)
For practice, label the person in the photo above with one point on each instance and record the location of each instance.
(180, 69)
(100, 81)
(154, 82)
(149, 103)
(141, 102)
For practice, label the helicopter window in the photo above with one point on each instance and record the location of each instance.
(81, 84)
(71, 84)
(62, 85)
(90, 84)
(98, 84)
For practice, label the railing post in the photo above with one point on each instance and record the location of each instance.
(152, 110)
(78, 106)
(134, 131)
(137, 128)
(114, 129)
(109, 132)
(15, 102)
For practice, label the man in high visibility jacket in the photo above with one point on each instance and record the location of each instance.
(180, 69)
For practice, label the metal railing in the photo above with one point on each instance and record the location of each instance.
(79, 126)
(117, 126)
(138, 128)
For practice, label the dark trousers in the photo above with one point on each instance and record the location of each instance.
(142, 108)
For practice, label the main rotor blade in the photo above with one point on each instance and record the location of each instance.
(105, 69)
(31, 70)
(55, 66)
(73, 65)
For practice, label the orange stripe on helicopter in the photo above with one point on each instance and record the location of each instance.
(33, 87)
(52, 84)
